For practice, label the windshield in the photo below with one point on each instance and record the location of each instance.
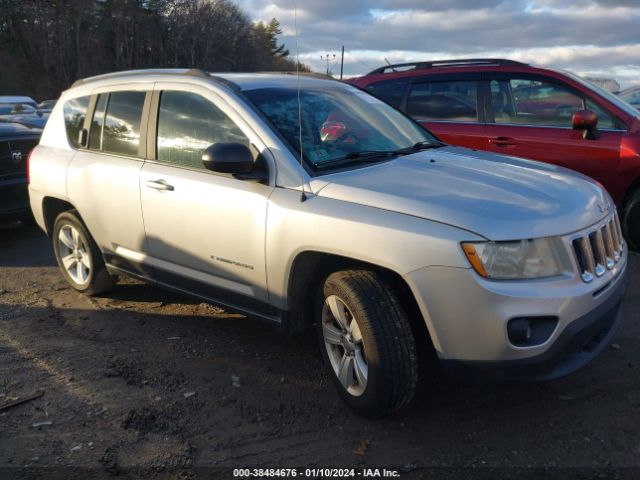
(631, 96)
(15, 109)
(339, 122)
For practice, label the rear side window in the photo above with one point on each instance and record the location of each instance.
(75, 111)
(444, 101)
(188, 124)
(391, 91)
(121, 131)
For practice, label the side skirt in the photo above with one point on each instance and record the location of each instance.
(260, 310)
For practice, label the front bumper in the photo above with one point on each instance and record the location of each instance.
(467, 317)
(579, 343)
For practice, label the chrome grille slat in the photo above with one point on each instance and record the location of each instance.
(598, 249)
(608, 243)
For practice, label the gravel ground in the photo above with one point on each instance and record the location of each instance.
(144, 383)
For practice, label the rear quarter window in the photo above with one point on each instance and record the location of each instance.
(75, 111)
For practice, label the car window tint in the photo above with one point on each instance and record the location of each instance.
(121, 132)
(97, 123)
(533, 102)
(448, 101)
(605, 119)
(188, 124)
(75, 111)
(391, 91)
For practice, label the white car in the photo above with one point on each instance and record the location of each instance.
(308, 201)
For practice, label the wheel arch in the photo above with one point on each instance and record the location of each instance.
(51, 208)
(310, 268)
(633, 187)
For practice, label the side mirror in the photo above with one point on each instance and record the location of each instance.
(234, 158)
(587, 121)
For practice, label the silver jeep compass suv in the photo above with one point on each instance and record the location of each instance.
(308, 201)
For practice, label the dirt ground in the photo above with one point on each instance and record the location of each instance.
(145, 383)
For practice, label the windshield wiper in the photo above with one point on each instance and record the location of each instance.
(378, 155)
(416, 147)
(358, 157)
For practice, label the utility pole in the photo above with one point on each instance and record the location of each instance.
(342, 62)
(327, 58)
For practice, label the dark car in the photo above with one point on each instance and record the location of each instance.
(519, 110)
(16, 141)
(23, 113)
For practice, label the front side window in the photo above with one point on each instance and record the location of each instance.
(444, 101)
(339, 124)
(121, 131)
(75, 111)
(605, 119)
(188, 124)
(533, 102)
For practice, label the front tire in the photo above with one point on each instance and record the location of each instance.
(631, 221)
(78, 256)
(367, 342)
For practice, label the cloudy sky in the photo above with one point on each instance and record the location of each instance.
(589, 37)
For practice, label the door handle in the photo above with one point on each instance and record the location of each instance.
(160, 185)
(503, 142)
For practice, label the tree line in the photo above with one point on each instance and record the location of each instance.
(45, 45)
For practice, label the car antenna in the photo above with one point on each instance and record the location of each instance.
(303, 196)
(389, 63)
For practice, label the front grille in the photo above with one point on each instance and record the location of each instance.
(13, 155)
(599, 249)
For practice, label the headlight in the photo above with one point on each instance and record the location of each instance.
(521, 259)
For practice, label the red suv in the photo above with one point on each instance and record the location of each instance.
(513, 108)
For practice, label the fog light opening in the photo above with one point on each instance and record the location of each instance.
(530, 331)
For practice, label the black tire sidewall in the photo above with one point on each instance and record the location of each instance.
(631, 221)
(376, 392)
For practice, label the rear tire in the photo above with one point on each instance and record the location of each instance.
(631, 221)
(367, 342)
(78, 256)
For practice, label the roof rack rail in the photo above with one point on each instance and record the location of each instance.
(192, 72)
(469, 62)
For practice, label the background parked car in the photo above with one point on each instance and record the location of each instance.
(23, 113)
(46, 106)
(631, 95)
(18, 99)
(513, 108)
(16, 141)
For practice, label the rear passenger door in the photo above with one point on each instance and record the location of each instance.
(205, 231)
(447, 105)
(103, 176)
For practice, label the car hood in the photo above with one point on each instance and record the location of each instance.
(498, 197)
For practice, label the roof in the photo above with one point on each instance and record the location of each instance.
(465, 62)
(244, 81)
(16, 99)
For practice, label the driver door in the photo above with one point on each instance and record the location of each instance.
(205, 231)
